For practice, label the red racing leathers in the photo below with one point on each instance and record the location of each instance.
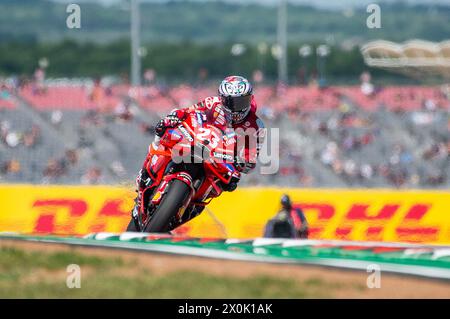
(251, 126)
(249, 134)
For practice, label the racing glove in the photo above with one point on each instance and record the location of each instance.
(245, 161)
(232, 185)
(242, 165)
(245, 167)
(170, 120)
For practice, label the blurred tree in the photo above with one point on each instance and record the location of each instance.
(174, 62)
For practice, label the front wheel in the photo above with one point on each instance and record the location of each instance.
(170, 204)
(132, 226)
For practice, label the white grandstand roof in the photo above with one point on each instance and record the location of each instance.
(414, 57)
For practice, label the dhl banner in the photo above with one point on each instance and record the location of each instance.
(376, 215)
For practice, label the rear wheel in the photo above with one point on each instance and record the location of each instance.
(170, 204)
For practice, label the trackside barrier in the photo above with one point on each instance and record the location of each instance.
(412, 259)
(369, 215)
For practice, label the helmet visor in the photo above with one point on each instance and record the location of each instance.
(237, 103)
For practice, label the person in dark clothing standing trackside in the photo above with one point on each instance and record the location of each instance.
(289, 222)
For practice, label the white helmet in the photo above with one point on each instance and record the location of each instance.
(236, 95)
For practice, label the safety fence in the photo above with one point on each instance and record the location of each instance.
(367, 215)
(412, 259)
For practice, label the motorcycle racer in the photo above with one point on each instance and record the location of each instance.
(233, 111)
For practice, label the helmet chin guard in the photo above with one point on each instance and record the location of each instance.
(239, 116)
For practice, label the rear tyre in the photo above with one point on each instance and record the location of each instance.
(169, 206)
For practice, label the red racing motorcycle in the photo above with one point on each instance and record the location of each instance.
(193, 164)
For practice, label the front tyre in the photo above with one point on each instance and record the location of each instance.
(132, 226)
(170, 204)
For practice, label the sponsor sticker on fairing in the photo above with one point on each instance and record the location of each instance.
(175, 134)
(223, 156)
(230, 134)
(186, 134)
(199, 118)
(193, 120)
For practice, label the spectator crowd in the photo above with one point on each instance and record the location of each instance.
(361, 136)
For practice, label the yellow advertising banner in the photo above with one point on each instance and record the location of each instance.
(376, 215)
(73, 210)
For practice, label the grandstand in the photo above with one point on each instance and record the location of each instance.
(416, 58)
(70, 132)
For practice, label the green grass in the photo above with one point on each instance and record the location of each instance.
(26, 274)
(17, 259)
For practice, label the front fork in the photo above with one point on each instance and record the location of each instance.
(162, 190)
(152, 192)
